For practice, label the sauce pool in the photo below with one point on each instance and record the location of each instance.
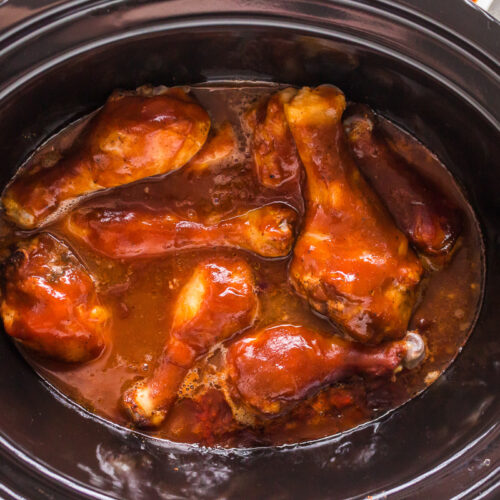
(142, 292)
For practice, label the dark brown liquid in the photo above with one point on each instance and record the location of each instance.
(142, 293)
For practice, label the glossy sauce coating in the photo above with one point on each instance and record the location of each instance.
(122, 234)
(135, 135)
(217, 301)
(350, 261)
(142, 294)
(274, 367)
(275, 154)
(50, 302)
(422, 212)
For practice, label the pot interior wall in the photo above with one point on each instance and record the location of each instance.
(460, 408)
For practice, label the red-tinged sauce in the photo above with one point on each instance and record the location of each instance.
(141, 294)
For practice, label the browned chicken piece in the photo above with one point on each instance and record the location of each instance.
(426, 216)
(271, 370)
(350, 261)
(134, 136)
(267, 231)
(50, 303)
(219, 148)
(275, 154)
(218, 301)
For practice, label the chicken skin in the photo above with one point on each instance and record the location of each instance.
(218, 148)
(135, 135)
(350, 261)
(50, 303)
(218, 301)
(275, 154)
(422, 212)
(271, 370)
(123, 234)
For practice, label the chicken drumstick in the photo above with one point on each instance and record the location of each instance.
(217, 302)
(267, 231)
(135, 135)
(50, 302)
(273, 369)
(275, 154)
(422, 212)
(350, 261)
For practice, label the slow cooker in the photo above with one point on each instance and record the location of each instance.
(431, 67)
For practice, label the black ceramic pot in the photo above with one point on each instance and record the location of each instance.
(430, 66)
